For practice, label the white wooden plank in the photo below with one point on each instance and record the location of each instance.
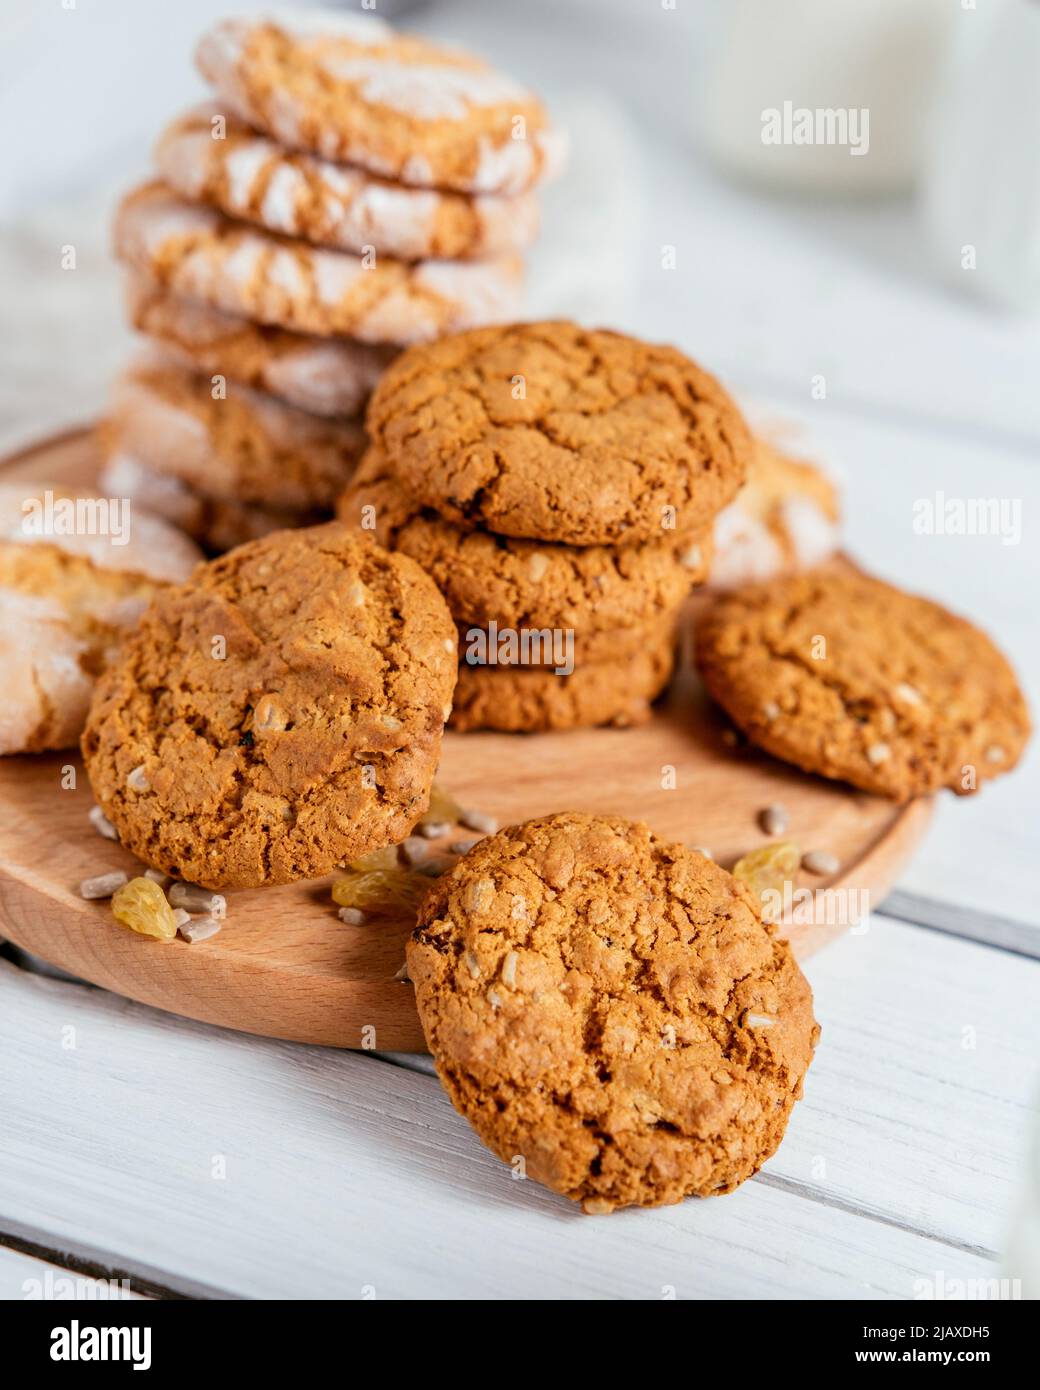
(343, 1172)
(29, 1278)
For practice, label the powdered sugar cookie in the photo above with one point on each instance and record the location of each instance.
(347, 87)
(196, 251)
(247, 175)
(216, 523)
(238, 447)
(326, 376)
(74, 579)
(785, 518)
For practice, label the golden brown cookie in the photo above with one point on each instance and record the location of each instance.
(559, 433)
(349, 88)
(198, 253)
(785, 518)
(327, 376)
(215, 523)
(68, 597)
(230, 442)
(280, 713)
(611, 1011)
(531, 699)
(248, 176)
(849, 677)
(522, 583)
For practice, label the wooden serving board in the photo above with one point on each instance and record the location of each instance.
(285, 966)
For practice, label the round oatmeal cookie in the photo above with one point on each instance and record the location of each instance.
(237, 447)
(612, 1009)
(196, 252)
(522, 583)
(248, 176)
(530, 699)
(784, 519)
(846, 676)
(215, 523)
(280, 713)
(559, 433)
(75, 577)
(326, 376)
(347, 87)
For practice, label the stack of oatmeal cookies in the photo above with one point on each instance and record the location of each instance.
(348, 190)
(560, 485)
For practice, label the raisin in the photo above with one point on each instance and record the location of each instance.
(141, 905)
(386, 892)
(765, 871)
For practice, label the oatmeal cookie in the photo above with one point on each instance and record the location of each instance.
(612, 1010)
(522, 583)
(529, 699)
(67, 600)
(852, 678)
(237, 447)
(198, 253)
(250, 177)
(278, 714)
(347, 87)
(558, 433)
(326, 376)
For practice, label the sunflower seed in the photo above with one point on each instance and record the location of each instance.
(103, 886)
(820, 861)
(102, 824)
(773, 819)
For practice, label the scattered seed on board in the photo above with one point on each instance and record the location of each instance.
(403, 975)
(102, 824)
(103, 886)
(477, 820)
(200, 929)
(433, 868)
(181, 917)
(196, 899)
(434, 829)
(462, 846)
(352, 916)
(703, 850)
(773, 819)
(157, 876)
(414, 850)
(820, 861)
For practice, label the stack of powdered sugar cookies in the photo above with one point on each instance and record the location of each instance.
(560, 485)
(347, 191)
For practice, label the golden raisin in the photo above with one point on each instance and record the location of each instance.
(386, 892)
(385, 858)
(766, 870)
(141, 905)
(443, 808)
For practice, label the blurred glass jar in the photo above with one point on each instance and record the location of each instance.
(880, 57)
(982, 177)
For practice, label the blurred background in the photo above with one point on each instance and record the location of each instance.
(877, 307)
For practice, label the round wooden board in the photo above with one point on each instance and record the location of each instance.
(286, 967)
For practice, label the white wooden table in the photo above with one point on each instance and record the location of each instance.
(204, 1162)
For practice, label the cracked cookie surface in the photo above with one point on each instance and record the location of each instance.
(611, 1009)
(241, 447)
(197, 253)
(523, 583)
(349, 88)
(278, 714)
(327, 376)
(248, 176)
(554, 432)
(850, 677)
